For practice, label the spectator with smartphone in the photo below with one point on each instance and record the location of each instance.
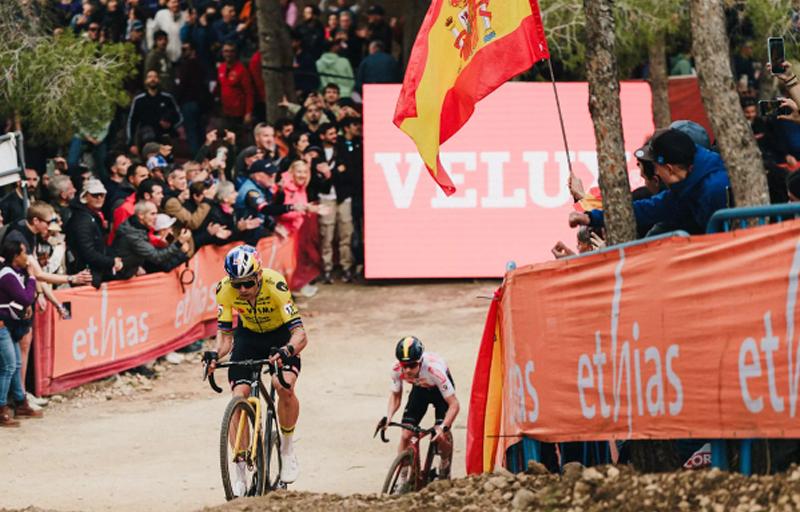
(175, 205)
(134, 247)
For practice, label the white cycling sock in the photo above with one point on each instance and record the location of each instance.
(241, 471)
(287, 440)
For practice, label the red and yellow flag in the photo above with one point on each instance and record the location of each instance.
(465, 49)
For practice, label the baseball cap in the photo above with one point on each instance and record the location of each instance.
(156, 162)
(672, 147)
(150, 148)
(136, 25)
(309, 149)
(697, 133)
(376, 10)
(645, 153)
(92, 186)
(264, 166)
(163, 221)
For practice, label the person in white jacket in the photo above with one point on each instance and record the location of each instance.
(171, 20)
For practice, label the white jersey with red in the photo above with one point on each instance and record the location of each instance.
(433, 372)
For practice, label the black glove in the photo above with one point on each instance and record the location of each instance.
(382, 423)
(210, 355)
(285, 354)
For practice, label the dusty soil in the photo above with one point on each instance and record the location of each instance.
(591, 489)
(127, 444)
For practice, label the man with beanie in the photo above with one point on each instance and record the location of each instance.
(696, 180)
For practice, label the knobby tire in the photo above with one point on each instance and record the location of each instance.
(256, 487)
(405, 459)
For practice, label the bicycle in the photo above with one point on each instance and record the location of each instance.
(417, 477)
(255, 441)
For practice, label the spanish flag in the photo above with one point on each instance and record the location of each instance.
(465, 49)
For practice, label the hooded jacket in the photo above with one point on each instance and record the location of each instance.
(703, 192)
(335, 69)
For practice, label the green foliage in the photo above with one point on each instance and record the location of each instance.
(637, 21)
(772, 18)
(56, 84)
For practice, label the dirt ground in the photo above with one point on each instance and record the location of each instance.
(127, 445)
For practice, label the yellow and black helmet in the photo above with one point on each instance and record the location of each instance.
(409, 350)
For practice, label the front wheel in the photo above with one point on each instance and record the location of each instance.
(272, 440)
(402, 475)
(242, 474)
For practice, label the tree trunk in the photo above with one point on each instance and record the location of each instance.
(275, 46)
(414, 13)
(604, 105)
(734, 137)
(659, 81)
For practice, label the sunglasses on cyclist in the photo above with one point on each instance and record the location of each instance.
(244, 284)
(411, 364)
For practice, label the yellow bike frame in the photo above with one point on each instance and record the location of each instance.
(256, 404)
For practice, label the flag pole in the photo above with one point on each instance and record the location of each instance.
(560, 116)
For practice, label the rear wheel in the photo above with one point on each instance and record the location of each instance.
(402, 475)
(242, 474)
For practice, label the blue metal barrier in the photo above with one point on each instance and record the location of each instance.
(723, 221)
(739, 218)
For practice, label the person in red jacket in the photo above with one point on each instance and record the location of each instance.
(260, 106)
(235, 89)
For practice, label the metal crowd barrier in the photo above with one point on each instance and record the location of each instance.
(724, 221)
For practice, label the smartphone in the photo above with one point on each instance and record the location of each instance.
(169, 238)
(772, 109)
(68, 310)
(221, 133)
(776, 54)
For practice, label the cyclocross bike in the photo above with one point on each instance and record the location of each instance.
(248, 435)
(408, 462)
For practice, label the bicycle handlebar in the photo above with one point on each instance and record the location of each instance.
(272, 369)
(418, 431)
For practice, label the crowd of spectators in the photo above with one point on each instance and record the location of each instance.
(192, 160)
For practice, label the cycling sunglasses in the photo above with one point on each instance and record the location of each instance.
(244, 284)
(411, 364)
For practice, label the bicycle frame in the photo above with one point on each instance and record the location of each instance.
(256, 388)
(256, 385)
(422, 472)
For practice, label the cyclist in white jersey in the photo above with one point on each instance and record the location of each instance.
(431, 384)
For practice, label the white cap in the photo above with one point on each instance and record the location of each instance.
(163, 221)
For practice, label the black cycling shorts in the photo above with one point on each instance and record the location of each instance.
(420, 398)
(256, 345)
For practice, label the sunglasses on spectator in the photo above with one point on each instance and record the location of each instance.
(98, 195)
(94, 29)
(54, 219)
(243, 284)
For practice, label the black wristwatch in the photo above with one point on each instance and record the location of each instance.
(445, 429)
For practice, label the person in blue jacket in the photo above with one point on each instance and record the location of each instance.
(696, 180)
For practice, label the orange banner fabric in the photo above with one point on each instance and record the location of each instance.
(126, 323)
(679, 338)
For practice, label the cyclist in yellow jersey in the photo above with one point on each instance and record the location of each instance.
(267, 319)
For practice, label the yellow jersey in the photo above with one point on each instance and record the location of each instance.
(273, 305)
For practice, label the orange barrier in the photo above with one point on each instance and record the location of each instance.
(126, 323)
(679, 338)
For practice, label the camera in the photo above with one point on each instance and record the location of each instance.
(771, 109)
